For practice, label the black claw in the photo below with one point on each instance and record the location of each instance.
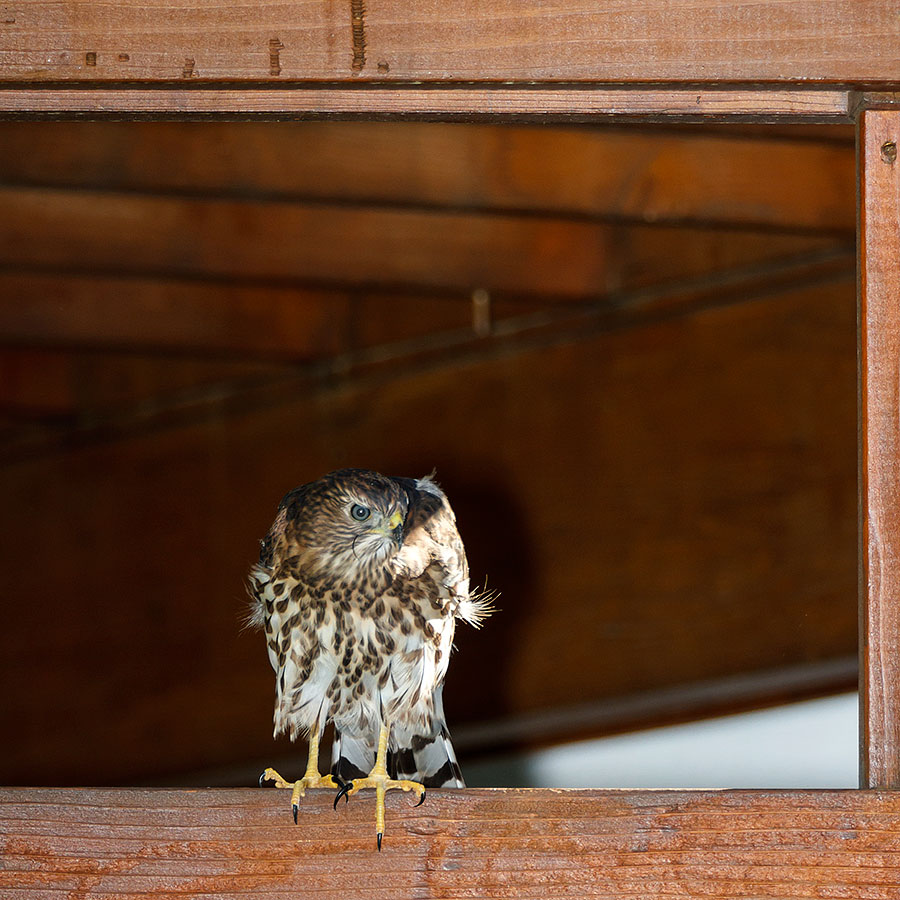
(262, 778)
(421, 800)
(380, 836)
(294, 808)
(343, 793)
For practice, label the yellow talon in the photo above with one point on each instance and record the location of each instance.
(378, 779)
(311, 778)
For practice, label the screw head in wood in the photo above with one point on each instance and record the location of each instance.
(889, 152)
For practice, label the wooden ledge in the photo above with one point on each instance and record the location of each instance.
(434, 101)
(824, 41)
(471, 843)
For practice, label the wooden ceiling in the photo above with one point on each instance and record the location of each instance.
(177, 255)
(630, 353)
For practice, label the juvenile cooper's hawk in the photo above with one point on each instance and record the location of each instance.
(359, 583)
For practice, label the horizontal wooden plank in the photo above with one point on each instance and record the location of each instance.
(353, 327)
(497, 843)
(575, 40)
(539, 103)
(177, 318)
(642, 499)
(644, 175)
(280, 243)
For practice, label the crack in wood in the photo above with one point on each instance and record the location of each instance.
(275, 48)
(358, 29)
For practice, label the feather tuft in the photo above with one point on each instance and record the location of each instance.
(255, 612)
(478, 606)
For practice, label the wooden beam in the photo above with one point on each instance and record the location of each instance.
(879, 243)
(580, 103)
(574, 40)
(651, 175)
(289, 243)
(353, 327)
(718, 845)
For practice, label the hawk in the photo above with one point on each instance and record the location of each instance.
(359, 584)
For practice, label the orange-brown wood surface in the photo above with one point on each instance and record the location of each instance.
(664, 103)
(758, 176)
(657, 40)
(880, 452)
(175, 317)
(300, 242)
(459, 844)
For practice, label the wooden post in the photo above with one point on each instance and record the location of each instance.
(879, 267)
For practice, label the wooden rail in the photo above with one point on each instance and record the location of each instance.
(473, 843)
(507, 40)
(567, 102)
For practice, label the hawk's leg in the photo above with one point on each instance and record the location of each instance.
(378, 779)
(312, 778)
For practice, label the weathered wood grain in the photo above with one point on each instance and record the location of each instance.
(472, 843)
(494, 103)
(879, 244)
(678, 175)
(575, 40)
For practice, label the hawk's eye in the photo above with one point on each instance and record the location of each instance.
(359, 512)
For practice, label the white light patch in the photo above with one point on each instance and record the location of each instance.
(812, 744)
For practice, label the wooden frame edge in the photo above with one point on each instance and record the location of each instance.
(879, 479)
(541, 101)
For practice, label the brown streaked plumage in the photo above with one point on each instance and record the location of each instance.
(359, 583)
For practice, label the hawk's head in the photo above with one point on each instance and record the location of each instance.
(349, 519)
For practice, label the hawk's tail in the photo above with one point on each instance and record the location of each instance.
(351, 757)
(423, 755)
(426, 758)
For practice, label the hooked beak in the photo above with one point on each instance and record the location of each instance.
(394, 526)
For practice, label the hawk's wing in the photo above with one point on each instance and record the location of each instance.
(431, 542)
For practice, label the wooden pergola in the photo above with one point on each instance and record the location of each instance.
(793, 61)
